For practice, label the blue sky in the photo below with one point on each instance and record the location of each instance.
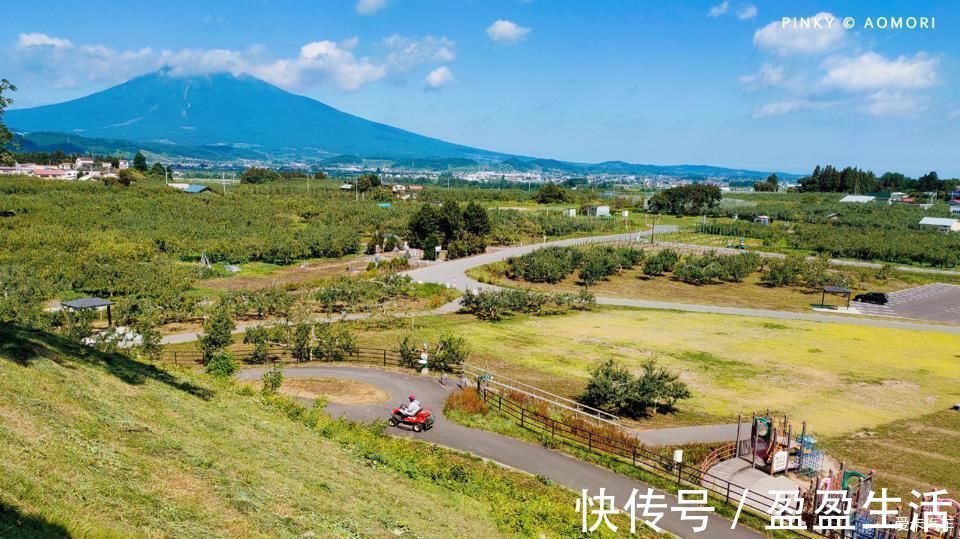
(716, 82)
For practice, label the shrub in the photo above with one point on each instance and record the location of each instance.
(548, 265)
(664, 261)
(467, 401)
(496, 304)
(222, 365)
(785, 272)
(468, 245)
(272, 380)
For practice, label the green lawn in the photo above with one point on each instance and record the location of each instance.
(93, 445)
(838, 377)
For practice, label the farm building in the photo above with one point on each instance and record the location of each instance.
(858, 198)
(942, 224)
(955, 208)
(598, 211)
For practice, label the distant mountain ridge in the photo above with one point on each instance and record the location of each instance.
(225, 117)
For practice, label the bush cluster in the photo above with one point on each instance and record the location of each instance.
(615, 389)
(554, 264)
(497, 304)
(711, 268)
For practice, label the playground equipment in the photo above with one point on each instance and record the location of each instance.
(774, 448)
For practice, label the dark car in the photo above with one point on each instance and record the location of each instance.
(876, 298)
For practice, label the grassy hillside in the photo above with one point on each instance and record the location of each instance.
(93, 445)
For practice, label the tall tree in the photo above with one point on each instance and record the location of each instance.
(6, 156)
(140, 162)
(475, 219)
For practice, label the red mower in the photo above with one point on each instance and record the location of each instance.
(420, 422)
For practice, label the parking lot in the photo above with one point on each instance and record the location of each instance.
(936, 302)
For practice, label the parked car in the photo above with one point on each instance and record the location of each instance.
(876, 298)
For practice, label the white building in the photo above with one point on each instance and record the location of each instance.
(598, 211)
(954, 209)
(399, 188)
(123, 164)
(942, 224)
(83, 162)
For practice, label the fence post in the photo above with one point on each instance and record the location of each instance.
(522, 409)
(727, 497)
(553, 428)
(384, 358)
(634, 459)
(590, 440)
(679, 471)
(175, 357)
(910, 526)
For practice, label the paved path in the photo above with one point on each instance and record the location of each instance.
(562, 469)
(453, 273)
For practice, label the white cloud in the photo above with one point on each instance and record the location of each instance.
(824, 33)
(746, 12)
(872, 71)
(406, 53)
(719, 9)
(767, 76)
(504, 31)
(37, 39)
(370, 7)
(787, 106)
(894, 103)
(439, 77)
(319, 62)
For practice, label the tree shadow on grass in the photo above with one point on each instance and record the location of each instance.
(15, 524)
(23, 346)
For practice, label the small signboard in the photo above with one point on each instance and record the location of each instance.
(779, 461)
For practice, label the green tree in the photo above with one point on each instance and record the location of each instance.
(158, 170)
(551, 193)
(770, 185)
(140, 162)
(475, 219)
(259, 337)
(451, 221)
(217, 334)
(423, 225)
(6, 156)
(257, 175)
(222, 365)
(368, 181)
(615, 389)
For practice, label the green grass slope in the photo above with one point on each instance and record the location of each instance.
(95, 445)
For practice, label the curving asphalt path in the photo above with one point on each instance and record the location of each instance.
(453, 273)
(562, 469)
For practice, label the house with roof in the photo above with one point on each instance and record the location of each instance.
(943, 224)
(83, 163)
(955, 207)
(55, 174)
